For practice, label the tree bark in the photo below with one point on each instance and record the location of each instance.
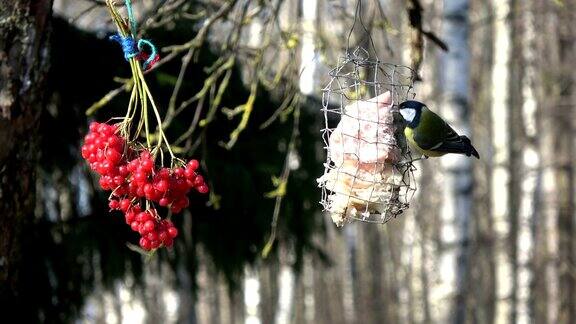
(501, 159)
(481, 299)
(530, 165)
(458, 184)
(24, 59)
(566, 51)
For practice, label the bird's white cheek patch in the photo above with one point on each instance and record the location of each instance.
(408, 114)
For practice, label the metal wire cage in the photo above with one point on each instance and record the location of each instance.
(368, 172)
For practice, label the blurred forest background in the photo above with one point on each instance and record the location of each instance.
(488, 241)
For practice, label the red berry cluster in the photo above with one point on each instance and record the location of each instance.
(132, 175)
(153, 231)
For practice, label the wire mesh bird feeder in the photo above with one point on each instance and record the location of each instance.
(368, 173)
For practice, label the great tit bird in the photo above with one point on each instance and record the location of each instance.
(429, 134)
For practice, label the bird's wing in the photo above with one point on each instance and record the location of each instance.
(433, 132)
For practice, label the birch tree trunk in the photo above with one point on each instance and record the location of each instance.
(517, 173)
(547, 258)
(308, 62)
(286, 285)
(481, 299)
(530, 166)
(501, 158)
(457, 186)
(427, 200)
(564, 113)
(24, 26)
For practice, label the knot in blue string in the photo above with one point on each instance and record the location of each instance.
(131, 49)
(129, 46)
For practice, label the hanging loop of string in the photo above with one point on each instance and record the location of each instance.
(133, 48)
(149, 59)
(366, 33)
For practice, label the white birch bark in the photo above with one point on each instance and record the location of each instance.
(418, 249)
(457, 193)
(420, 243)
(501, 159)
(551, 240)
(308, 50)
(549, 185)
(409, 260)
(286, 295)
(350, 237)
(251, 296)
(531, 161)
(308, 282)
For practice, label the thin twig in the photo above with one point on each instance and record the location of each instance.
(281, 188)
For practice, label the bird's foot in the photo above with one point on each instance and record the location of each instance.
(423, 157)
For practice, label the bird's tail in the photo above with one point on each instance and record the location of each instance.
(469, 149)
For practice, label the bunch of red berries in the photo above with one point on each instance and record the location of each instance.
(154, 232)
(132, 176)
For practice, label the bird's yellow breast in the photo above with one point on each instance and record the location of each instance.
(409, 133)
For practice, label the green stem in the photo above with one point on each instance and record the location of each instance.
(156, 113)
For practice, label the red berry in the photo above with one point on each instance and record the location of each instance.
(199, 181)
(132, 165)
(105, 129)
(203, 189)
(193, 165)
(143, 217)
(118, 180)
(124, 204)
(113, 204)
(139, 177)
(179, 172)
(189, 173)
(172, 232)
(152, 236)
(134, 226)
(164, 202)
(85, 152)
(148, 188)
(113, 156)
(123, 171)
(149, 226)
(154, 244)
(144, 155)
(129, 217)
(147, 165)
(145, 244)
(162, 185)
(93, 126)
(164, 173)
(103, 183)
(114, 141)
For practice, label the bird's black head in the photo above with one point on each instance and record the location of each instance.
(410, 111)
